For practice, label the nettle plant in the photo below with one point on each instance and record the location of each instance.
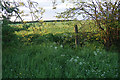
(105, 14)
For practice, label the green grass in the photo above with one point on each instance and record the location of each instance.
(49, 60)
(48, 51)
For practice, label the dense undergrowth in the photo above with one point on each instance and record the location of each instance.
(48, 51)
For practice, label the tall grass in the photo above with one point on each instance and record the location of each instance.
(48, 51)
(50, 60)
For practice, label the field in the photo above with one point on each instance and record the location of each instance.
(47, 50)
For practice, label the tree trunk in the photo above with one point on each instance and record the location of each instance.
(108, 39)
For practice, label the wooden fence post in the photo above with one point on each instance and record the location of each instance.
(76, 35)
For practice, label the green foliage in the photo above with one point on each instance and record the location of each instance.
(48, 51)
(11, 8)
(106, 15)
(49, 60)
(8, 36)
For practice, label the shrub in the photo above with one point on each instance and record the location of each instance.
(8, 36)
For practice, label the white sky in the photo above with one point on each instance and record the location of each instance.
(49, 12)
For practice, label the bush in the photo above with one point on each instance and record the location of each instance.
(8, 36)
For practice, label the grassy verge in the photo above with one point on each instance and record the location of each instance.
(56, 61)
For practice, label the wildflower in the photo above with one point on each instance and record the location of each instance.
(80, 63)
(71, 59)
(61, 45)
(97, 50)
(97, 38)
(75, 60)
(51, 46)
(65, 34)
(29, 39)
(117, 75)
(95, 53)
(70, 35)
(102, 74)
(55, 47)
(77, 57)
(31, 36)
(62, 55)
(22, 35)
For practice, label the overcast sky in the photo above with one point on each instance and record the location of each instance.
(49, 11)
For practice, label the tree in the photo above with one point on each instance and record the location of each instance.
(10, 9)
(7, 9)
(105, 14)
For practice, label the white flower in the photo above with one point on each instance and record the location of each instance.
(55, 47)
(95, 53)
(77, 57)
(61, 45)
(70, 35)
(71, 59)
(65, 34)
(75, 60)
(80, 63)
(51, 46)
(102, 75)
(98, 50)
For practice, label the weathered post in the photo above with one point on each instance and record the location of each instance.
(76, 35)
